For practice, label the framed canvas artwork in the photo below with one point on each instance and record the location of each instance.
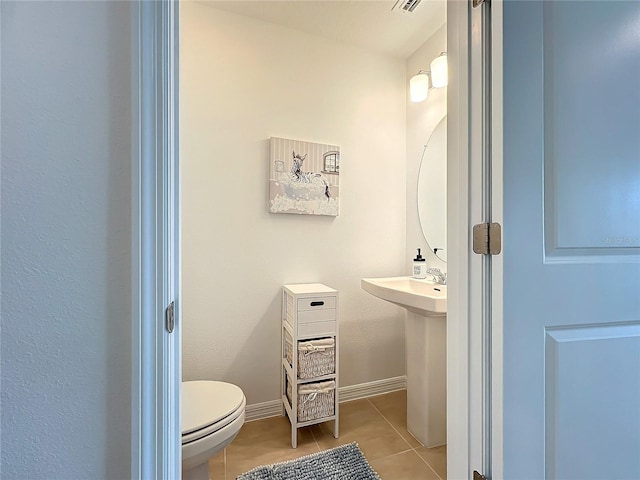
(304, 177)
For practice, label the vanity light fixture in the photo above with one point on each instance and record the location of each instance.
(439, 74)
(419, 83)
(419, 86)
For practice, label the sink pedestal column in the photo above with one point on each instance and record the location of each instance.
(427, 378)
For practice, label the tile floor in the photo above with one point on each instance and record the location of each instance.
(378, 424)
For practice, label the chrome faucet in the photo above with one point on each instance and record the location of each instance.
(437, 275)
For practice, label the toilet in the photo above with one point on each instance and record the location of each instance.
(212, 415)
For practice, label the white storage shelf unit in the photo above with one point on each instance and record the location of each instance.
(310, 332)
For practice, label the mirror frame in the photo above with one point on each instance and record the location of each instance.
(421, 221)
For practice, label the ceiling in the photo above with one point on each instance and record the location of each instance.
(370, 24)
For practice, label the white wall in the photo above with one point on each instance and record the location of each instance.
(66, 233)
(422, 118)
(243, 81)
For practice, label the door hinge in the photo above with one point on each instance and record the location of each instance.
(169, 318)
(478, 476)
(487, 238)
(477, 3)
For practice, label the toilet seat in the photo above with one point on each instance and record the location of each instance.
(207, 407)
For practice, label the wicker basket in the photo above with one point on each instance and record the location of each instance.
(315, 400)
(315, 357)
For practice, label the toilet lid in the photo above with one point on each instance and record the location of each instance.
(205, 403)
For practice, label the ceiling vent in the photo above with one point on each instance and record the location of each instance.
(406, 6)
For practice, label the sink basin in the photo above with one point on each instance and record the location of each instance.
(418, 296)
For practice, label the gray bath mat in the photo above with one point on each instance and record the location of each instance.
(341, 463)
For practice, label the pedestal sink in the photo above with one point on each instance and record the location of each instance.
(426, 335)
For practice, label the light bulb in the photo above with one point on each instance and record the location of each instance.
(439, 74)
(419, 87)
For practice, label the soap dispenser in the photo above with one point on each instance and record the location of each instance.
(419, 266)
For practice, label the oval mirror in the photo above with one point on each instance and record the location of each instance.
(432, 190)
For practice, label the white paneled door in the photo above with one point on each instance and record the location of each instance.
(571, 332)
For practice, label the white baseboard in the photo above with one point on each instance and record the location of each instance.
(369, 389)
(258, 411)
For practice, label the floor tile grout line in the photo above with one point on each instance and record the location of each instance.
(405, 440)
(392, 425)
(314, 439)
(428, 464)
(224, 453)
(413, 449)
(405, 451)
(390, 455)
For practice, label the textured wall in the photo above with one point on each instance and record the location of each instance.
(66, 232)
(422, 118)
(244, 81)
